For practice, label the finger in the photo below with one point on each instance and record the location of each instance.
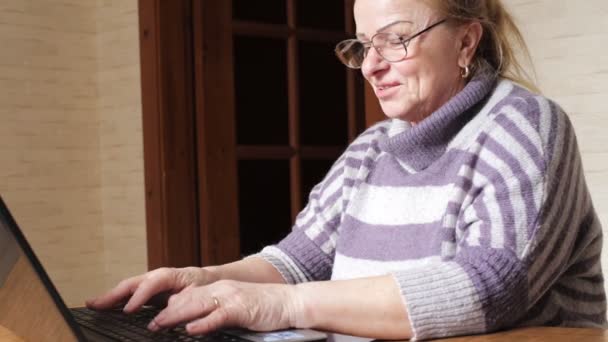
(159, 300)
(216, 320)
(115, 296)
(152, 285)
(183, 308)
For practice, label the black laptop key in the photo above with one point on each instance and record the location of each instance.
(131, 327)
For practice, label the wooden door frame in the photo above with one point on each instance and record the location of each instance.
(168, 117)
(183, 44)
(215, 119)
(187, 87)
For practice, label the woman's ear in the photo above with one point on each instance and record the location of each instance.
(469, 41)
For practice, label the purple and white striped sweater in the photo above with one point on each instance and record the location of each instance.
(480, 212)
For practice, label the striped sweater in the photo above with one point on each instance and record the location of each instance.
(480, 213)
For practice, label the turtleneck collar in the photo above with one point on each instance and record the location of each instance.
(421, 144)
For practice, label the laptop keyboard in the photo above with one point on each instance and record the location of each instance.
(122, 327)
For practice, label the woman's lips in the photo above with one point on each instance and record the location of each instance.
(384, 91)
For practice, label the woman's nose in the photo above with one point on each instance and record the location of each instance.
(373, 63)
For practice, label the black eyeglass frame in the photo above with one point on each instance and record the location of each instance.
(367, 45)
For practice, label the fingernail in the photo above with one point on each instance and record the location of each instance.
(153, 326)
(159, 318)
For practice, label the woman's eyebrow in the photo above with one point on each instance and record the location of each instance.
(393, 23)
(362, 35)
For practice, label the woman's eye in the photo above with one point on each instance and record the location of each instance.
(366, 49)
(394, 42)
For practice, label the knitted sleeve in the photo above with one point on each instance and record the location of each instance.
(524, 217)
(307, 253)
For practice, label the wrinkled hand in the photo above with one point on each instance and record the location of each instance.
(149, 286)
(227, 303)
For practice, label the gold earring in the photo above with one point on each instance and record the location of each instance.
(465, 72)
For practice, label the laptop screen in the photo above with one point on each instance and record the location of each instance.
(30, 307)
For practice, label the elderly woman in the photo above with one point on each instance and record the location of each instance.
(466, 212)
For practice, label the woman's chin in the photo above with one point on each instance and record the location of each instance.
(409, 111)
(394, 113)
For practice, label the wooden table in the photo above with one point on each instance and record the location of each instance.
(8, 336)
(518, 335)
(538, 335)
(22, 294)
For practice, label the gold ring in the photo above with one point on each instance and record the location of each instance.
(216, 302)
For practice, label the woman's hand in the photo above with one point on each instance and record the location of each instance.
(260, 307)
(149, 286)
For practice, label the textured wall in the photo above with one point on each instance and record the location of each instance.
(121, 139)
(70, 139)
(568, 46)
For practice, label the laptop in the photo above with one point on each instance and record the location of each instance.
(32, 309)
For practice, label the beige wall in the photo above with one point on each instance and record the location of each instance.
(121, 139)
(568, 40)
(70, 139)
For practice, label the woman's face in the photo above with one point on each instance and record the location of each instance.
(414, 87)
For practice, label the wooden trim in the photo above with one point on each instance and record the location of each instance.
(351, 105)
(373, 111)
(293, 94)
(169, 149)
(257, 152)
(148, 31)
(355, 82)
(256, 29)
(320, 35)
(215, 114)
(359, 111)
(351, 83)
(321, 152)
(265, 152)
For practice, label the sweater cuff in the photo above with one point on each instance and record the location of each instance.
(307, 256)
(298, 259)
(283, 263)
(441, 301)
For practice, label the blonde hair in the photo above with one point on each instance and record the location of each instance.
(500, 41)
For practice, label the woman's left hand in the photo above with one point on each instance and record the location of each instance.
(260, 307)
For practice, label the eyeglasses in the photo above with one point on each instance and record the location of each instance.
(390, 46)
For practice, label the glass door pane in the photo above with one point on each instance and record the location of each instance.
(321, 14)
(266, 11)
(323, 103)
(264, 203)
(260, 67)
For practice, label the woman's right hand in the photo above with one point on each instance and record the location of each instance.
(141, 289)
